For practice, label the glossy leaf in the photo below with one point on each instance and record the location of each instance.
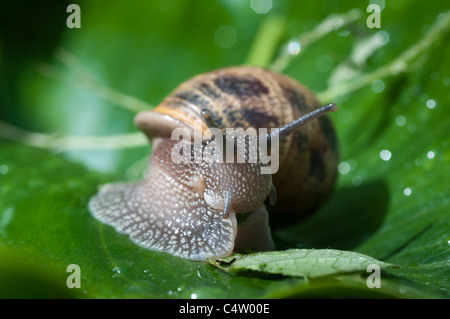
(391, 201)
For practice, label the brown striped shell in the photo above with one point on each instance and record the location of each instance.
(246, 97)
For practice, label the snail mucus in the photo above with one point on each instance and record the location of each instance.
(189, 208)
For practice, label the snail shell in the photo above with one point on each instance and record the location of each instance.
(178, 208)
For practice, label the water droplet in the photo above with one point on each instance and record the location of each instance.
(343, 33)
(149, 274)
(430, 154)
(261, 6)
(116, 271)
(431, 104)
(400, 120)
(402, 291)
(382, 37)
(198, 274)
(385, 155)
(294, 47)
(344, 168)
(179, 289)
(194, 296)
(225, 36)
(339, 23)
(407, 191)
(170, 292)
(378, 86)
(4, 169)
(347, 166)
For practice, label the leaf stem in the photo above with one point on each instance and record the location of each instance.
(68, 142)
(300, 43)
(399, 64)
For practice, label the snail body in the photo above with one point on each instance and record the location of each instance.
(189, 209)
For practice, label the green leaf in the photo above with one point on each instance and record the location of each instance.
(308, 263)
(393, 206)
(46, 222)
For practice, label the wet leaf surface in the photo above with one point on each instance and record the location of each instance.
(391, 202)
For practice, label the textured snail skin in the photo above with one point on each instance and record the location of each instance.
(167, 211)
(179, 208)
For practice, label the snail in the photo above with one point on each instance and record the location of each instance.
(193, 209)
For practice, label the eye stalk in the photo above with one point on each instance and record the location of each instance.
(227, 199)
(293, 126)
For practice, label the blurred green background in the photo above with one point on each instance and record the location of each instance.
(392, 197)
